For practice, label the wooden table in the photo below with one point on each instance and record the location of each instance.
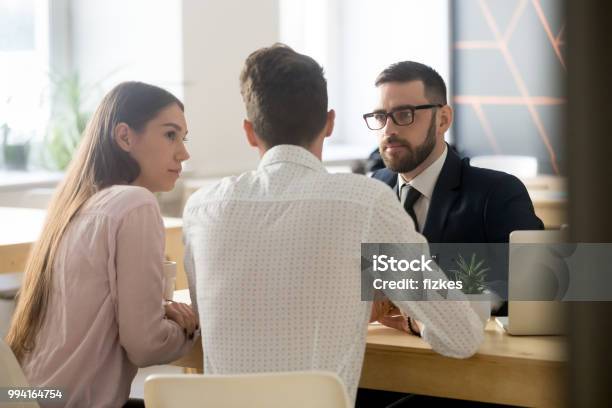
(20, 227)
(549, 197)
(515, 370)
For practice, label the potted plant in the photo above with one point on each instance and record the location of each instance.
(15, 152)
(68, 120)
(473, 275)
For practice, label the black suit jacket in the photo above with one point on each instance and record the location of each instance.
(470, 204)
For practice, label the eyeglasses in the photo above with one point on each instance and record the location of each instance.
(402, 116)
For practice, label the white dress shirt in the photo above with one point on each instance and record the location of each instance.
(273, 264)
(425, 183)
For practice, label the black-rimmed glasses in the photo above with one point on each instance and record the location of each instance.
(402, 116)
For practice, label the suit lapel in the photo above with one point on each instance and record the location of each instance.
(444, 195)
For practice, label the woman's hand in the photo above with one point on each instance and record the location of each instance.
(183, 315)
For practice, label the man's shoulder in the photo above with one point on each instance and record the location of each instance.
(355, 185)
(221, 190)
(386, 176)
(337, 186)
(475, 177)
(488, 179)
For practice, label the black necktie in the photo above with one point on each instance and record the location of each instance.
(411, 197)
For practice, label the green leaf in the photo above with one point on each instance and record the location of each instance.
(472, 274)
(68, 120)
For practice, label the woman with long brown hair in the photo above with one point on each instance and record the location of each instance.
(90, 309)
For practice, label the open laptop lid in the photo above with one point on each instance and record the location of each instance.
(533, 317)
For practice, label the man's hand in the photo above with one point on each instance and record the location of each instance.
(385, 312)
(382, 308)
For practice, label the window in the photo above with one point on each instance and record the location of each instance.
(24, 69)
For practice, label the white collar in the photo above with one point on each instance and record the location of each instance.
(425, 182)
(291, 154)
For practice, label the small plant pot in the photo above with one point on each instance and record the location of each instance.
(16, 156)
(481, 304)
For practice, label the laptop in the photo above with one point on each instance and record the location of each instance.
(534, 317)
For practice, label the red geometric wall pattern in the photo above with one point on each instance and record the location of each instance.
(508, 75)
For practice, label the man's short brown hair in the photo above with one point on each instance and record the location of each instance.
(285, 94)
(407, 71)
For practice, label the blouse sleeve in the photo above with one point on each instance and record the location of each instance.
(144, 332)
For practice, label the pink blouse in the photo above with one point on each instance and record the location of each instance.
(105, 316)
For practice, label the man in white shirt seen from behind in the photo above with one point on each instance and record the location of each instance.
(273, 255)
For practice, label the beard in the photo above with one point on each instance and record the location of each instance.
(413, 156)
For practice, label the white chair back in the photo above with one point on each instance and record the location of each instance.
(11, 375)
(303, 389)
(519, 166)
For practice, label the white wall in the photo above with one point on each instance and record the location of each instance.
(355, 41)
(118, 40)
(377, 34)
(196, 49)
(217, 38)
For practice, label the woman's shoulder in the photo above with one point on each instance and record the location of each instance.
(119, 200)
(130, 193)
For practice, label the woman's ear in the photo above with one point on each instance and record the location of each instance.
(123, 136)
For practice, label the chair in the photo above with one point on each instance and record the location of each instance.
(11, 375)
(9, 285)
(519, 166)
(302, 389)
